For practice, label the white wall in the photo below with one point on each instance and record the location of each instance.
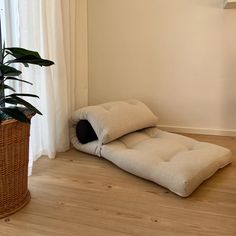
(177, 56)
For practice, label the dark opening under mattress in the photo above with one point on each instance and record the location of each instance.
(85, 132)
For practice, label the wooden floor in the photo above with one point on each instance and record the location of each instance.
(82, 195)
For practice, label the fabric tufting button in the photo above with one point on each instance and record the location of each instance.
(132, 102)
(107, 108)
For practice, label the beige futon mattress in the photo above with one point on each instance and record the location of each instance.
(129, 137)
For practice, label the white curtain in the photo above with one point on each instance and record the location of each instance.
(57, 29)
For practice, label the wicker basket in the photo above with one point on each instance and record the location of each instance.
(14, 152)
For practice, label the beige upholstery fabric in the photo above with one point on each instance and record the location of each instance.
(174, 161)
(112, 120)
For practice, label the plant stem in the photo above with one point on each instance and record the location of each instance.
(2, 92)
(1, 54)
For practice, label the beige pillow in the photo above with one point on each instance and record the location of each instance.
(115, 119)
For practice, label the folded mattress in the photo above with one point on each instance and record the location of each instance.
(127, 135)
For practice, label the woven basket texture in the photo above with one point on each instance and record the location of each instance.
(14, 156)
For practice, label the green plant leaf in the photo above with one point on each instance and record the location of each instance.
(20, 52)
(25, 64)
(17, 100)
(20, 80)
(5, 86)
(14, 113)
(9, 101)
(30, 59)
(23, 95)
(9, 71)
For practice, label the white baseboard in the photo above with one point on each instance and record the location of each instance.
(193, 130)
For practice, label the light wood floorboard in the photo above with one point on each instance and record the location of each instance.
(82, 195)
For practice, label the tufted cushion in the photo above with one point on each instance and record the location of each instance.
(115, 119)
(176, 162)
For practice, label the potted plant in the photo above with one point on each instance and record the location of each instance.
(15, 115)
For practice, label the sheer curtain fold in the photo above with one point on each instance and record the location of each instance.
(58, 30)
